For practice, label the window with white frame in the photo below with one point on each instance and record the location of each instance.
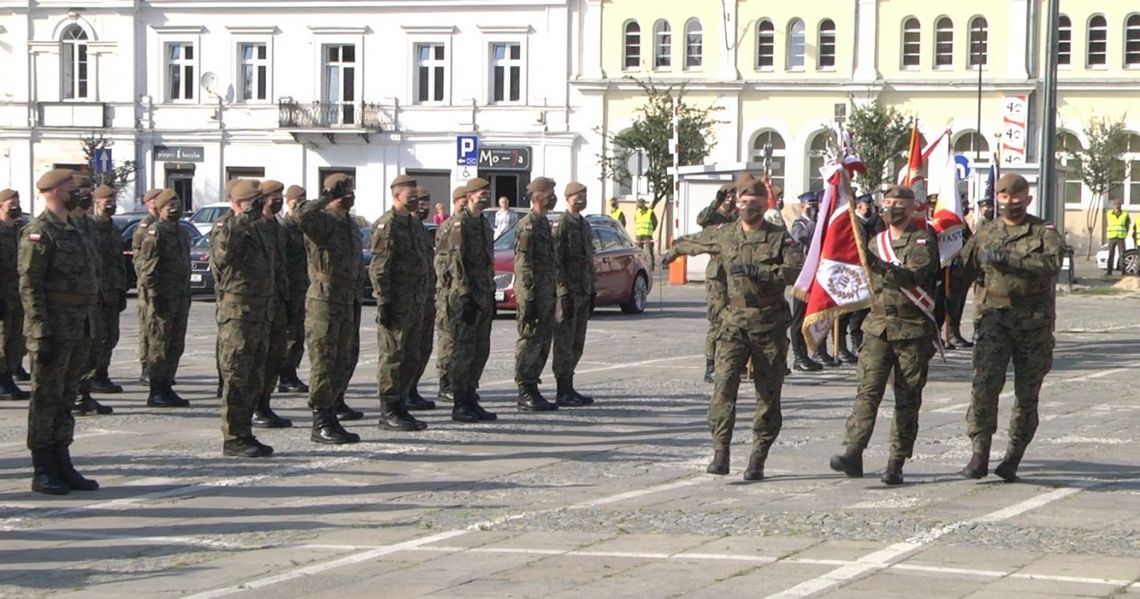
(632, 44)
(797, 45)
(506, 72)
(1097, 54)
(180, 77)
(817, 153)
(253, 71)
(339, 84)
(765, 45)
(1132, 41)
(1067, 147)
(431, 72)
(76, 71)
(662, 45)
(971, 144)
(694, 44)
(1129, 188)
(979, 42)
(911, 43)
(943, 43)
(1064, 40)
(826, 47)
(779, 154)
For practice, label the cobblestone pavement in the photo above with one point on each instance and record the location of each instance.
(606, 501)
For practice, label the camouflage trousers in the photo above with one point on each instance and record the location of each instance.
(769, 354)
(536, 328)
(295, 331)
(443, 341)
(278, 341)
(144, 339)
(908, 359)
(570, 335)
(332, 333)
(716, 294)
(11, 335)
(471, 344)
(166, 332)
(243, 347)
(398, 359)
(1031, 351)
(423, 345)
(54, 387)
(104, 340)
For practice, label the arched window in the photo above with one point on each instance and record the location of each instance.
(817, 153)
(765, 45)
(694, 44)
(75, 66)
(632, 43)
(1132, 41)
(779, 154)
(979, 41)
(797, 45)
(943, 43)
(662, 45)
(1097, 54)
(911, 43)
(1067, 147)
(826, 60)
(972, 144)
(1129, 188)
(1064, 40)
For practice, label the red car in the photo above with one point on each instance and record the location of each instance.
(623, 277)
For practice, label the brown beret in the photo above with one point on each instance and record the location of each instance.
(230, 186)
(295, 192)
(104, 191)
(574, 187)
(244, 189)
(476, 184)
(540, 184)
(165, 197)
(7, 194)
(82, 180)
(333, 179)
(403, 181)
(54, 178)
(751, 186)
(727, 187)
(1011, 183)
(777, 191)
(422, 193)
(151, 194)
(459, 193)
(899, 191)
(269, 186)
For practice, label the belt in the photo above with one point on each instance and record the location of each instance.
(333, 280)
(907, 311)
(71, 299)
(252, 300)
(764, 301)
(1016, 301)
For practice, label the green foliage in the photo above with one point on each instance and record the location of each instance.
(881, 134)
(122, 172)
(1101, 163)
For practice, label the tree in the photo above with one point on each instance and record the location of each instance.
(1100, 164)
(880, 134)
(651, 133)
(121, 174)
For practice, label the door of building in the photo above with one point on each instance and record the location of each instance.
(180, 178)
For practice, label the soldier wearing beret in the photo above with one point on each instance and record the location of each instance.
(297, 273)
(333, 246)
(423, 345)
(577, 289)
(898, 335)
(11, 309)
(400, 264)
(141, 304)
(58, 289)
(722, 210)
(535, 294)
(112, 288)
(1018, 257)
(274, 237)
(762, 260)
(84, 188)
(442, 265)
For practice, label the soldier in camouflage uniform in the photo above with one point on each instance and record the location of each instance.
(423, 345)
(536, 293)
(163, 267)
(58, 289)
(471, 269)
(333, 245)
(721, 211)
(141, 303)
(1018, 256)
(401, 259)
(761, 260)
(85, 404)
(112, 287)
(574, 244)
(11, 309)
(443, 325)
(898, 337)
(274, 236)
(296, 270)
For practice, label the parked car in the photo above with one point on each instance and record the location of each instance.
(201, 279)
(1131, 263)
(205, 217)
(623, 276)
(128, 223)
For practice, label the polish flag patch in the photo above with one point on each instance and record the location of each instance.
(34, 236)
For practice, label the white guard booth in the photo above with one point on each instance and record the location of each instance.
(699, 184)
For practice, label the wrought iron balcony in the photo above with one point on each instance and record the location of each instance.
(331, 115)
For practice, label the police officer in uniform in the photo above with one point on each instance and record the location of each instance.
(443, 324)
(297, 273)
(803, 228)
(577, 289)
(1019, 256)
(422, 346)
(58, 289)
(535, 292)
(11, 308)
(721, 211)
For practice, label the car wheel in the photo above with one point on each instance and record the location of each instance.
(638, 296)
(1131, 263)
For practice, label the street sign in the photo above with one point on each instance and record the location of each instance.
(504, 158)
(102, 161)
(179, 153)
(963, 165)
(467, 150)
(637, 163)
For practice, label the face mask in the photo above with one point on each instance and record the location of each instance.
(85, 201)
(751, 212)
(421, 213)
(72, 201)
(275, 207)
(14, 212)
(1012, 211)
(551, 202)
(348, 201)
(174, 215)
(812, 213)
(895, 216)
(580, 203)
(110, 209)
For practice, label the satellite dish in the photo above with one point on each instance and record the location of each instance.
(209, 82)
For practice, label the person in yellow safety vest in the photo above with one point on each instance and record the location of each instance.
(1116, 229)
(644, 224)
(615, 211)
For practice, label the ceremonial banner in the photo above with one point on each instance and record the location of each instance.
(946, 217)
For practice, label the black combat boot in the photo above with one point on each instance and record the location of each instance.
(531, 399)
(174, 396)
(719, 463)
(822, 357)
(584, 399)
(710, 371)
(9, 391)
(893, 474)
(806, 364)
(85, 405)
(392, 417)
(565, 395)
(473, 400)
(345, 413)
(22, 375)
(415, 401)
(446, 393)
(845, 355)
(67, 472)
(45, 473)
(219, 391)
(1007, 469)
(289, 382)
(162, 397)
(103, 383)
(755, 470)
(979, 465)
(850, 462)
(462, 411)
(960, 341)
(246, 447)
(327, 429)
(265, 417)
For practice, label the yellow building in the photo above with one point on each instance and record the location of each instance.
(778, 70)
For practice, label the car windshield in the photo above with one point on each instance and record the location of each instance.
(208, 214)
(203, 242)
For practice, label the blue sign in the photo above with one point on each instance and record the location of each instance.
(102, 161)
(467, 150)
(963, 166)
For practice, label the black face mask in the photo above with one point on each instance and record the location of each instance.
(111, 209)
(85, 201)
(14, 212)
(895, 216)
(422, 213)
(255, 207)
(72, 201)
(1012, 211)
(348, 201)
(751, 212)
(551, 202)
(812, 213)
(174, 216)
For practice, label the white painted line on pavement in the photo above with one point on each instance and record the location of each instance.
(608, 368)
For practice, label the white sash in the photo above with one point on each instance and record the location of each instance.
(917, 295)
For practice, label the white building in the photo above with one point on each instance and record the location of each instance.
(201, 91)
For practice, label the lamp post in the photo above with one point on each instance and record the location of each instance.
(1045, 186)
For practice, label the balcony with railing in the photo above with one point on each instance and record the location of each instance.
(331, 116)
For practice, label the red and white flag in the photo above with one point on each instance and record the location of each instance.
(946, 217)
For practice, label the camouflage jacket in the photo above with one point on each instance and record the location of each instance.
(534, 257)
(58, 286)
(471, 258)
(109, 245)
(335, 253)
(401, 259)
(276, 242)
(163, 261)
(711, 216)
(893, 315)
(242, 263)
(9, 252)
(296, 261)
(574, 242)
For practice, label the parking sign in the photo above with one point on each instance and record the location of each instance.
(467, 150)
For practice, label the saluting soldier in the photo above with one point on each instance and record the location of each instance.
(762, 259)
(84, 403)
(275, 241)
(141, 303)
(163, 266)
(577, 281)
(423, 344)
(443, 324)
(58, 289)
(297, 273)
(898, 336)
(112, 287)
(536, 294)
(11, 309)
(1018, 257)
(722, 210)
